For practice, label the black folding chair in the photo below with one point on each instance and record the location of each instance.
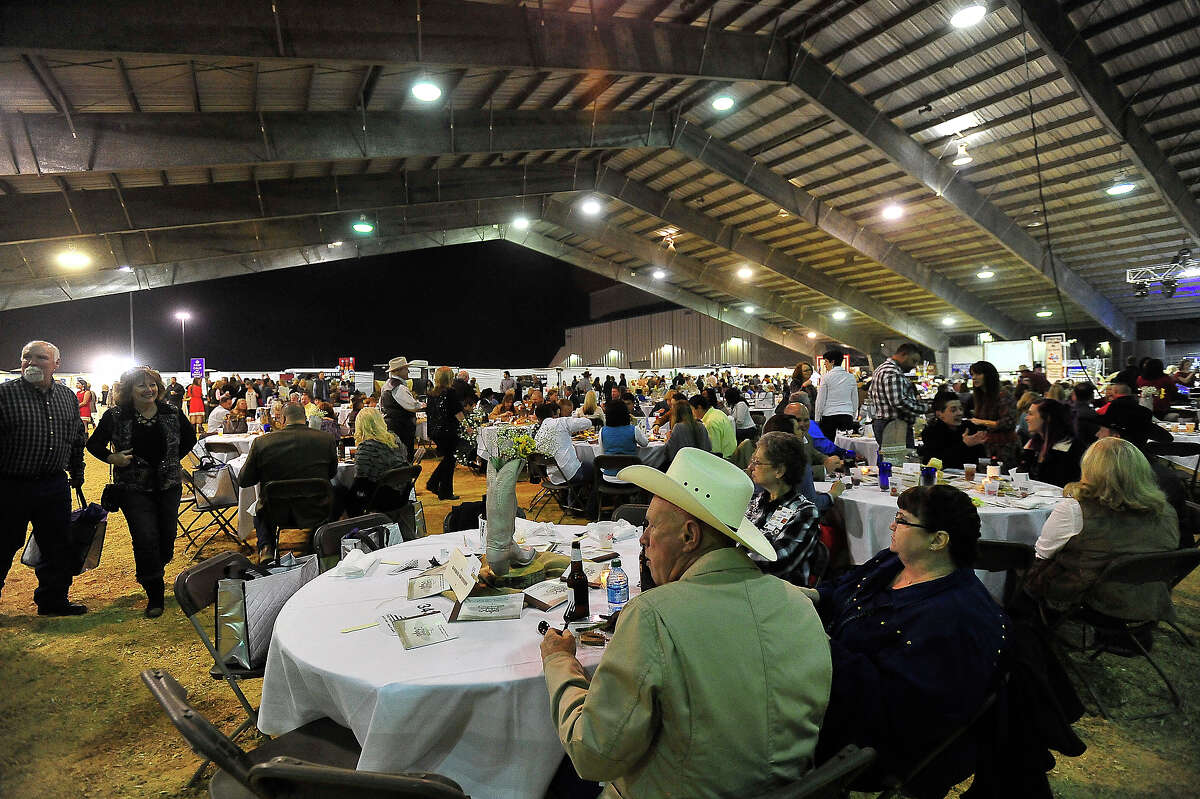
(320, 741)
(1005, 556)
(393, 489)
(1168, 568)
(634, 514)
(291, 777)
(327, 540)
(830, 780)
(610, 485)
(215, 512)
(304, 503)
(1179, 449)
(558, 491)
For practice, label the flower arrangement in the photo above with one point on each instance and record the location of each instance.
(512, 444)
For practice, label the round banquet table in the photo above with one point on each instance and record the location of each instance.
(1188, 462)
(869, 513)
(864, 446)
(241, 440)
(474, 708)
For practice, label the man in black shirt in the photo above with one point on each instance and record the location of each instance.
(175, 392)
(41, 438)
(948, 438)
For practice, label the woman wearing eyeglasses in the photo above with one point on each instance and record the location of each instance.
(915, 640)
(781, 511)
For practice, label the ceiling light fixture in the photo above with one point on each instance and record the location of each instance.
(749, 309)
(1045, 313)
(334, 244)
(426, 90)
(985, 274)
(963, 158)
(362, 225)
(1168, 287)
(659, 274)
(591, 206)
(1121, 185)
(1141, 289)
(745, 273)
(839, 315)
(722, 102)
(812, 334)
(892, 211)
(72, 258)
(970, 15)
(947, 321)
(126, 268)
(521, 223)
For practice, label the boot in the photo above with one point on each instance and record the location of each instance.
(154, 595)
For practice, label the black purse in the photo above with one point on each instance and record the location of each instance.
(110, 500)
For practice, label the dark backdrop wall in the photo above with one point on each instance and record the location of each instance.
(492, 304)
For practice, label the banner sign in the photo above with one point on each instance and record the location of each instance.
(197, 367)
(1056, 367)
(346, 367)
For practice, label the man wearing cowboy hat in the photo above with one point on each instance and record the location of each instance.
(398, 404)
(716, 681)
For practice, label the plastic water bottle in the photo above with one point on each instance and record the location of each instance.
(618, 587)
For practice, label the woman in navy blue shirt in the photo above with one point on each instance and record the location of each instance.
(620, 436)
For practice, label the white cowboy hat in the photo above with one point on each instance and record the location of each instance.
(708, 487)
(396, 364)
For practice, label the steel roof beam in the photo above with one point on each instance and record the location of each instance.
(452, 34)
(680, 265)
(735, 165)
(862, 118)
(115, 142)
(746, 246)
(1080, 67)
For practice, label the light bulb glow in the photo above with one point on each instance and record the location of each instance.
(183, 316)
(812, 334)
(659, 274)
(1121, 186)
(745, 273)
(749, 309)
(125, 268)
(722, 103)
(590, 206)
(969, 15)
(362, 225)
(426, 91)
(73, 259)
(839, 315)
(963, 158)
(947, 321)
(521, 223)
(1044, 314)
(985, 274)
(892, 211)
(335, 243)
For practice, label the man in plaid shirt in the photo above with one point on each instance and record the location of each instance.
(41, 438)
(893, 396)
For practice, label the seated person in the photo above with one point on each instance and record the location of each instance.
(662, 409)
(685, 431)
(590, 409)
(717, 422)
(715, 681)
(506, 409)
(835, 455)
(780, 511)
(329, 422)
(739, 409)
(1115, 509)
(620, 436)
(948, 438)
(1083, 415)
(235, 421)
(786, 423)
(356, 406)
(553, 438)
(915, 639)
(293, 452)
(216, 419)
(486, 401)
(378, 451)
(630, 401)
(1052, 454)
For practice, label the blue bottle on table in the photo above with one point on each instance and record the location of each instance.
(618, 587)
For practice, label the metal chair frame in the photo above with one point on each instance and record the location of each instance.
(279, 505)
(1005, 556)
(327, 540)
(538, 470)
(602, 486)
(831, 779)
(223, 515)
(288, 776)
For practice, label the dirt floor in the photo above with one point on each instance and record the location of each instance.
(76, 720)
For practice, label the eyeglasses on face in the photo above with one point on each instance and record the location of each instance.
(756, 462)
(901, 520)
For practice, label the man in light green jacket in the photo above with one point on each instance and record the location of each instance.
(716, 681)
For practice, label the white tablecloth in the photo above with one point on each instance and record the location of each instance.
(242, 440)
(1185, 438)
(653, 455)
(869, 513)
(863, 446)
(474, 708)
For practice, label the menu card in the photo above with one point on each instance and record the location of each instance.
(426, 585)
(488, 608)
(423, 630)
(546, 594)
(461, 574)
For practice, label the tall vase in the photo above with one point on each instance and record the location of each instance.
(502, 552)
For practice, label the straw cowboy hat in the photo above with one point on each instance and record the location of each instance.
(708, 487)
(396, 364)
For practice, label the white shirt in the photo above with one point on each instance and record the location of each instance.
(837, 395)
(741, 416)
(216, 419)
(554, 439)
(404, 397)
(1063, 523)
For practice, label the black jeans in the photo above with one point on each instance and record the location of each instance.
(45, 503)
(441, 482)
(151, 516)
(831, 424)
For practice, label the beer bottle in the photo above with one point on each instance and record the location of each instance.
(577, 583)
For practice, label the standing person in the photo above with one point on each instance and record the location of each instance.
(398, 404)
(507, 383)
(41, 437)
(320, 388)
(175, 393)
(995, 411)
(1168, 388)
(837, 397)
(743, 424)
(144, 437)
(251, 397)
(195, 397)
(86, 399)
(893, 396)
(445, 415)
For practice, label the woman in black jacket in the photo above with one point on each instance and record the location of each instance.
(144, 437)
(1052, 454)
(445, 414)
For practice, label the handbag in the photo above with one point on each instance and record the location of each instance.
(110, 498)
(248, 604)
(85, 536)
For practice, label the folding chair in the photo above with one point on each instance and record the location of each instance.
(305, 503)
(320, 741)
(327, 540)
(1168, 568)
(394, 488)
(560, 492)
(611, 485)
(1179, 449)
(209, 506)
(831, 779)
(290, 777)
(196, 591)
(634, 514)
(1005, 556)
